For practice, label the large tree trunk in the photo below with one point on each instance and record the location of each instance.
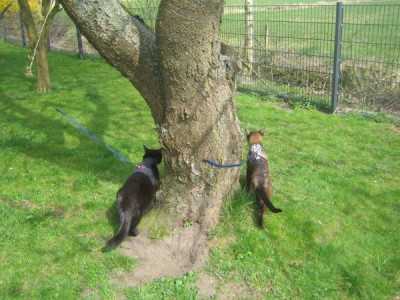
(200, 120)
(188, 84)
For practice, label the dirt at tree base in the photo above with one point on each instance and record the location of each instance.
(172, 256)
(185, 250)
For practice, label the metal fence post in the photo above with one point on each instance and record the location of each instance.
(22, 27)
(48, 43)
(4, 29)
(337, 55)
(80, 44)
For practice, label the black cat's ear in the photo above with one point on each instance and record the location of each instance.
(145, 148)
(262, 131)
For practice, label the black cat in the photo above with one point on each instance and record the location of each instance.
(137, 195)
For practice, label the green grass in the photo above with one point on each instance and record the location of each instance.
(336, 182)
(335, 177)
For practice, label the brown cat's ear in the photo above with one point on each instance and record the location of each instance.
(262, 131)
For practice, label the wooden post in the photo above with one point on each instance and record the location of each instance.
(266, 37)
(249, 40)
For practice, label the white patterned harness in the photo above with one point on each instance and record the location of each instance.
(256, 152)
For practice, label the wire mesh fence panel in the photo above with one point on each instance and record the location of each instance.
(11, 28)
(292, 52)
(370, 63)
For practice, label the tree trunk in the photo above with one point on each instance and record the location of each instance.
(189, 85)
(42, 66)
(200, 114)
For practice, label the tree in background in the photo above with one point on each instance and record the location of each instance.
(187, 78)
(37, 17)
(4, 6)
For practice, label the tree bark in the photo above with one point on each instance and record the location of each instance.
(189, 85)
(200, 120)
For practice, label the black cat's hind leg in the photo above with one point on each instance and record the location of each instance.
(122, 231)
(133, 231)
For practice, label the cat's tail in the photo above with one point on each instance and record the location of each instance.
(261, 193)
(122, 231)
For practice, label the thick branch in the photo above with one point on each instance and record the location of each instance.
(124, 42)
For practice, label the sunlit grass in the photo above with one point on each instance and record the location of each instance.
(335, 177)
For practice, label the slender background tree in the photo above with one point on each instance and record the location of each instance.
(37, 18)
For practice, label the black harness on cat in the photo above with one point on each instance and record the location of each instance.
(146, 170)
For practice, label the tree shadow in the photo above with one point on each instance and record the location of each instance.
(42, 135)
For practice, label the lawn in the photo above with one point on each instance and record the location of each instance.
(335, 177)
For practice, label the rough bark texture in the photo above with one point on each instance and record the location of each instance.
(188, 84)
(200, 112)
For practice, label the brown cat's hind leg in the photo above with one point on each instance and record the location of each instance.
(261, 213)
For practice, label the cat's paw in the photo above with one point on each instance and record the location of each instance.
(133, 232)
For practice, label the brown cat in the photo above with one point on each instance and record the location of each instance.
(137, 195)
(257, 174)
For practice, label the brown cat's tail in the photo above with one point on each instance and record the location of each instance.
(122, 231)
(261, 192)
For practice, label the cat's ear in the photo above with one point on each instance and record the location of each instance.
(262, 131)
(145, 148)
(247, 134)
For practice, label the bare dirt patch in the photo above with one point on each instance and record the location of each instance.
(172, 256)
(185, 250)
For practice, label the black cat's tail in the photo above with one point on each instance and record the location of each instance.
(122, 231)
(261, 192)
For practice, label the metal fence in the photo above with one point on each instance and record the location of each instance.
(63, 36)
(323, 55)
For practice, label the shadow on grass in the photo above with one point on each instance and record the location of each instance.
(39, 131)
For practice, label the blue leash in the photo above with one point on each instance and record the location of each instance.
(215, 164)
(92, 135)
